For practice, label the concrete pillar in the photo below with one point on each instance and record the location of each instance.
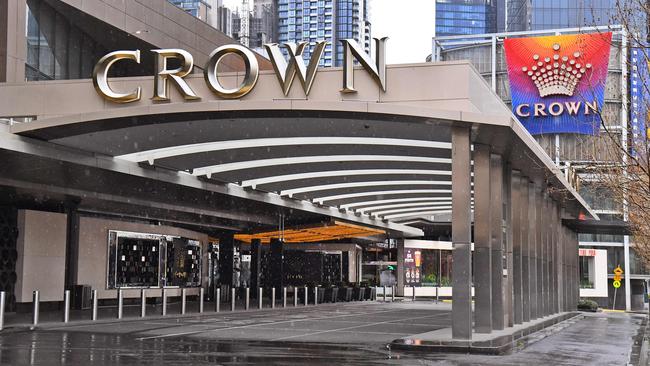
(13, 43)
(276, 263)
(539, 228)
(525, 250)
(227, 250)
(516, 275)
(256, 263)
(545, 251)
(508, 308)
(461, 320)
(400, 267)
(482, 247)
(496, 235)
(532, 248)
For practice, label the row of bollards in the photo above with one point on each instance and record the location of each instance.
(143, 302)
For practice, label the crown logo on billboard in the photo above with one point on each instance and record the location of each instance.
(558, 75)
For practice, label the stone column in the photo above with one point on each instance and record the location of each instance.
(508, 299)
(400, 267)
(532, 248)
(276, 264)
(13, 42)
(516, 275)
(461, 319)
(482, 248)
(539, 209)
(525, 249)
(256, 265)
(496, 235)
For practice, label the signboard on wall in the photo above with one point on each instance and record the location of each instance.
(412, 267)
(557, 83)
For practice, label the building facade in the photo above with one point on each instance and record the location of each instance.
(328, 20)
(527, 15)
(456, 17)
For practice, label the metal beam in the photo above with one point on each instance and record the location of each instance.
(261, 163)
(253, 183)
(328, 187)
(213, 146)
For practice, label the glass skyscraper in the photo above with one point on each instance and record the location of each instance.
(463, 17)
(524, 15)
(329, 20)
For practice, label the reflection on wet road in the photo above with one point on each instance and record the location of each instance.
(600, 339)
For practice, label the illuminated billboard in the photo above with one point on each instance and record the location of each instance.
(557, 83)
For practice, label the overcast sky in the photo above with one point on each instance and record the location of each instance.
(409, 25)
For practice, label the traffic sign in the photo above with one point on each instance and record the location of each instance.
(617, 283)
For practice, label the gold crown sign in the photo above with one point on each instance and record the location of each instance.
(558, 75)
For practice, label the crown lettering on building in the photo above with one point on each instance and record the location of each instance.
(557, 75)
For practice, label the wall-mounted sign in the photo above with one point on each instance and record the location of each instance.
(639, 95)
(587, 252)
(412, 267)
(557, 83)
(285, 70)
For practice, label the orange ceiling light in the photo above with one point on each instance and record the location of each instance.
(315, 233)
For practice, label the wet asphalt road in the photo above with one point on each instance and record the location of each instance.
(600, 339)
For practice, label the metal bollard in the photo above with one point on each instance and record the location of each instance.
(248, 298)
(295, 297)
(120, 303)
(36, 298)
(201, 294)
(232, 299)
(315, 295)
(392, 293)
(143, 303)
(413, 293)
(95, 303)
(66, 306)
(272, 297)
(2, 309)
(217, 303)
(384, 294)
(183, 301)
(259, 298)
(164, 301)
(284, 297)
(306, 296)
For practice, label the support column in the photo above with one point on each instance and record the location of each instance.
(532, 248)
(496, 234)
(400, 267)
(276, 268)
(525, 250)
(516, 275)
(13, 43)
(539, 228)
(461, 320)
(508, 300)
(256, 264)
(482, 247)
(547, 253)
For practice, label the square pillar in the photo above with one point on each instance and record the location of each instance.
(256, 264)
(13, 43)
(276, 264)
(539, 228)
(400, 267)
(516, 274)
(532, 248)
(525, 250)
(508, 309)
(546, 252)
(496, 208)
(482, 247)
(461, 319)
